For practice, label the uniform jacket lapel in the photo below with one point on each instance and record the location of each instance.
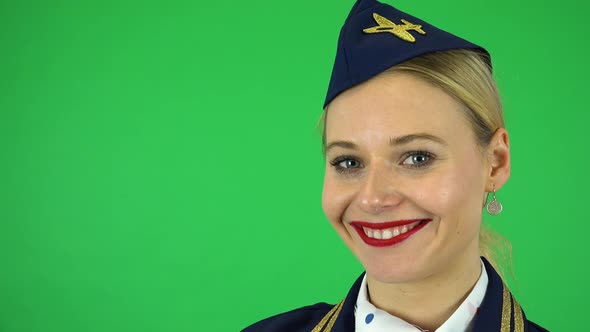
(499, 310)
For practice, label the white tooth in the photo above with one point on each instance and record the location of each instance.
(369, 232)
(411, 227)
(387, 234)
(404, 229)
(366, 230)
(377, 234)
(396, 231)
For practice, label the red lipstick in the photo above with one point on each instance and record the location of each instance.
(358, 226)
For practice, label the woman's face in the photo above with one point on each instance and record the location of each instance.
(399, 151)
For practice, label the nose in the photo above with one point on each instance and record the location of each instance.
(379, 191)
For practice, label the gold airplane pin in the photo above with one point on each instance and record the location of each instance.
(400, 30)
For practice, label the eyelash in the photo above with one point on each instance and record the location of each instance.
(429, 159)
(336, 163)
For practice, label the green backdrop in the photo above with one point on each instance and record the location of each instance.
(161, 169)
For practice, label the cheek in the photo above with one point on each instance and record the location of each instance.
(455, 196)
(335, 199)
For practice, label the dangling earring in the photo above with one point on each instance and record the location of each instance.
(494, 207)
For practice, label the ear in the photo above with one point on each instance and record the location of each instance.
(498, 153)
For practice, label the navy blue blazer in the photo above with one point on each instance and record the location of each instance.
(499, 312)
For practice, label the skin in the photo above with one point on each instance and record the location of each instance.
(426, 277)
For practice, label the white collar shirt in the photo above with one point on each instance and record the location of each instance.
(369, 318)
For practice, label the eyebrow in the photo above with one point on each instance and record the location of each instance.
(393, 141)
(400, 140)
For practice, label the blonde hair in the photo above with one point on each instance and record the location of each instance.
(465, 75)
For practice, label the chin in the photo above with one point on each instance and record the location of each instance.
(408, 261)
(393, 271)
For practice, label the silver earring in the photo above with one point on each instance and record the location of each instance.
(494, 207)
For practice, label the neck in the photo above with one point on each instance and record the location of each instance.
(424, 302)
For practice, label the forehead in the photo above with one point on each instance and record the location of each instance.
(393, 105)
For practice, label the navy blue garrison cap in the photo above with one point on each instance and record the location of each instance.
(376, 36)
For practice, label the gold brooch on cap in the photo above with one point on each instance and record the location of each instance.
(399, 30)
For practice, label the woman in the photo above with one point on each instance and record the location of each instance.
(414, 142)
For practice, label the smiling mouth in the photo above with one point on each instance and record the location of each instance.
(388, 233)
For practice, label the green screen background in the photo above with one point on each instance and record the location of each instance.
(161, 168)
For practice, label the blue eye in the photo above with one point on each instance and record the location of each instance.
(349, 163)
(418, 159)
(345, 164)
